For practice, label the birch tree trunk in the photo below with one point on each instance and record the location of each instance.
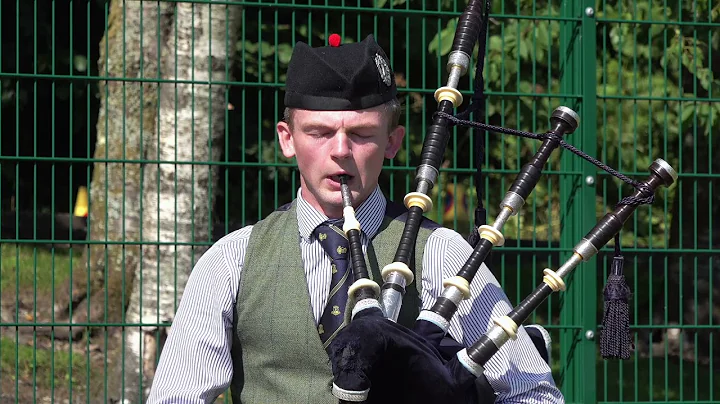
(101, 284)
(178, 192)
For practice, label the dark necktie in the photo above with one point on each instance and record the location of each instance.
(335, 244)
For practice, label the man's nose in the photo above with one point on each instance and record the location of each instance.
(341, 147)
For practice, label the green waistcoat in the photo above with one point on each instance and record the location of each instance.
(277, 353)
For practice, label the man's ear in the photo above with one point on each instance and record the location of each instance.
(285, 138)
(394, 142)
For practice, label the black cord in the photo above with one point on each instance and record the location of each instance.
(476, 102)
(647, 198)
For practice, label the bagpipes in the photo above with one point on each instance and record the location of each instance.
(375, 359)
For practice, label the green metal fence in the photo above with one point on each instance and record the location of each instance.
(641, 74)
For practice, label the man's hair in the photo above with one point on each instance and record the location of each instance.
(392, 107)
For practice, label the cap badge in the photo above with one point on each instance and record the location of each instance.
(383, 68)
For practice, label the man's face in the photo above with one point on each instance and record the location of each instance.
(329, 143)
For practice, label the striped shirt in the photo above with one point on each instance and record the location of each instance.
(195, 364)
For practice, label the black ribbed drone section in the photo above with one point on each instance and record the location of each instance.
(528, 177)
(436, 138)
(407, 241)
(478, 256)
(613, 221)
(444, 307)
(481, 351)
(523, 310)
(468, 28)
(530, 173)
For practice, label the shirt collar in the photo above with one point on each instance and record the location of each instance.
(370, 214)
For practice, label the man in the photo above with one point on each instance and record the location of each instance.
(253, 313)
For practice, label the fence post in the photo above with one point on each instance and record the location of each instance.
(577, 202)
(588, 111)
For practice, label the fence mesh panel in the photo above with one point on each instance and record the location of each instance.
(78, 100)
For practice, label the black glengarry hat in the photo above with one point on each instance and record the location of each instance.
(344, 77)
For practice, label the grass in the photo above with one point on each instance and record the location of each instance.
(32, 367)
(23, 366)
(27, 267)
(35, 369)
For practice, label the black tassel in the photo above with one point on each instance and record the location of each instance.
(615, 340)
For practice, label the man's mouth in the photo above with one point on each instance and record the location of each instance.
(337, 177)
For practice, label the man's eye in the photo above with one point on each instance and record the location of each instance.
(362, 134)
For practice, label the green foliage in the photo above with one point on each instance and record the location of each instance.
(649, 76)
(442, 42)
(267, 56)
(651, 80)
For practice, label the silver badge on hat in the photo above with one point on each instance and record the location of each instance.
(383, 68)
